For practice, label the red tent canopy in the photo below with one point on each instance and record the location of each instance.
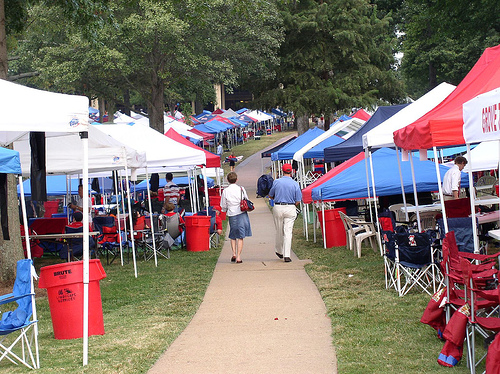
(306, 192)
(361, 114)
(213, 161)
(205, 135)
(443, 126)
(218, 111)
(225, 120)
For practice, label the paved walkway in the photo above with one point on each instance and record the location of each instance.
(261, 316)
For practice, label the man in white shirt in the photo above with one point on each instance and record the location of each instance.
(451, 180)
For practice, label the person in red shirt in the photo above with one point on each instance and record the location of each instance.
(218, 220)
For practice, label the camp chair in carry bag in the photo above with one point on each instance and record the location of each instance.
(18, 328)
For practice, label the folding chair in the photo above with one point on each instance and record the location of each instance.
(20, 325)
(389, 249)
(74, 246)
(483, 296)
(462, 226)
(144, 239)
(359, 231)
(171, 224)
(415, 263)
(108, 240)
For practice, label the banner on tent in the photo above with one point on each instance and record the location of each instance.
(482, 117)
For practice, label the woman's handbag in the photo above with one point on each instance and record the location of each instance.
(245, 204)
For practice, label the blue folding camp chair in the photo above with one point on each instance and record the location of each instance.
(462, 226)
(20, 324)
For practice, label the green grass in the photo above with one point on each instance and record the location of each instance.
(373, 329)
(142, 316)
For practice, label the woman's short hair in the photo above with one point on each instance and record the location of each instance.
(232, 177)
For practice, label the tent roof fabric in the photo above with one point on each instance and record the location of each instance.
(354, 144)
(443, 126)
(361, 114)
(382, 135)
(307, 192)
(64, 153)
(72, 114)
(287, 152)
(10, 162)
(213, 160)
(351, 183)
(161, 151)
(276, 148)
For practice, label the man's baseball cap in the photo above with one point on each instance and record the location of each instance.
(287, 168)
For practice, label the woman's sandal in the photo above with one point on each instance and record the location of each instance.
(239, 262)
(233, 259)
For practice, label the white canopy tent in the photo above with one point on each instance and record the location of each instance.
(482, 124)
(382, 135)
(180, 127)
(22, 111)
(162, 153)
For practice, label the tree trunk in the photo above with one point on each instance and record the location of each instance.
(157, 106)
(432, 76)
(3, 43)
(302, 123)
(102, 109)
(126, 102)
(10, 250)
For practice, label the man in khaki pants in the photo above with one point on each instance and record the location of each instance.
(287, 195)
(451, 180)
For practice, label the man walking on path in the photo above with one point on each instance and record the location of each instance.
(261, 316)
(286, 195)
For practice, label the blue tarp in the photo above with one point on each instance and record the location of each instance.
(180, 181)
(56, 186)
(10, 163)
(287, 152)
(351, 183)
(318, 151)
(352, 146)
(207, 129)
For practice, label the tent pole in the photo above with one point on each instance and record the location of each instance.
(375, 223)
(85, 203)
(28, 253)
(130, 220)
(151, 219)
(440, 189)
(119, 227)
(402, 184)
(415, 192)
(472, 194)
(323, 216)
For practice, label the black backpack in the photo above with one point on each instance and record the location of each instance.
(264, 184)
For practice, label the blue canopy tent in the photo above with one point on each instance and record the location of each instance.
(56, 186)
(10, 162)
(287, 152)
(203, 117)
(238, 122)
(352, 146)
(318, 151)
(276, 148)
(207, 129)
(278, 112)
(351, 183)
(219, 124)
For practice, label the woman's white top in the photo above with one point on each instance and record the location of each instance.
(230, 200)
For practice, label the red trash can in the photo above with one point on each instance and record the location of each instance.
(335, 231)
(214, 200)
(64, 284)
(197, 233)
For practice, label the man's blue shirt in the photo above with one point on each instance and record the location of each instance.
(285, 190)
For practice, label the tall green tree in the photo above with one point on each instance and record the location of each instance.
(444, 38)
(337, 54)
